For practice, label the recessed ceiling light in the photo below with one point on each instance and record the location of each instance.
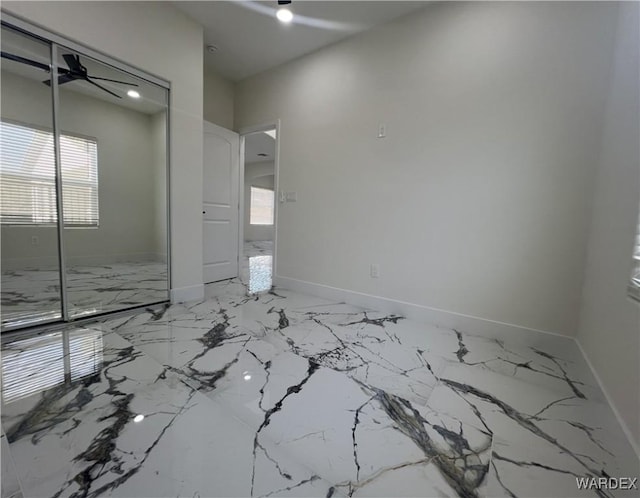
(284, 15)
(133, 94)
(138, 418)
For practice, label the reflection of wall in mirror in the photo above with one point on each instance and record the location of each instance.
(257, 175)
(131, 179)
(159, 146)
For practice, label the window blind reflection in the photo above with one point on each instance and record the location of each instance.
(27, 177)
(34, 365)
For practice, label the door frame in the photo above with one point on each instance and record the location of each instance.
(243, 132)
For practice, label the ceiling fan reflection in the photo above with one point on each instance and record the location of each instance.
(75, 71)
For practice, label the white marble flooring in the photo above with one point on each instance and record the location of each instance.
(285, 394)
(32, 295)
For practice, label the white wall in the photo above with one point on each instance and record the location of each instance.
(138, 33)
(260, 174)
(610, 321)
(478, 199)
(125, 179)
(218, 99)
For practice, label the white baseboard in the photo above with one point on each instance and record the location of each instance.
(464, 323)
(108, 259)
(49, 262)
(625, 428)
(159, 257)
(184, 294)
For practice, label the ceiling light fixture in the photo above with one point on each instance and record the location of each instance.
(284, 15)
(315, 22)
(133, 94)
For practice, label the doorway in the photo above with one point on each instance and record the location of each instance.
(259, 208)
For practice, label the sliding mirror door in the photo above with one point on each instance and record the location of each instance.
(31, 291)
(113, 142)
(83, 180)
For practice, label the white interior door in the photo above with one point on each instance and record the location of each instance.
(220, 202)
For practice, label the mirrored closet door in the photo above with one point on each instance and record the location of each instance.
(83, 174)
(30, 279)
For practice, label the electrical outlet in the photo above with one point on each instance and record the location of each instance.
(35, 240)
(374, 271)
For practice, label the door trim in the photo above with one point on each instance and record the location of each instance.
(243, 132)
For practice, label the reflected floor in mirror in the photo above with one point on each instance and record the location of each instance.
(32, 295)
(286, 394)
(256, 266)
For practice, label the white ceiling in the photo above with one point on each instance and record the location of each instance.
(259, 143)
(250, 39)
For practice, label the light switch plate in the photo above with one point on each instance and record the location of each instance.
(374, 271)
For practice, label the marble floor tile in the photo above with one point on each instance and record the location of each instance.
(284, 394)
(116, 431)
(354, 435)
(9, 484)
(533, 469)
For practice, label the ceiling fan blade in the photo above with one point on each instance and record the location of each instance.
(73, 61)
(102, 88)
(114, 81)
(65, 78)
(24, 60)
